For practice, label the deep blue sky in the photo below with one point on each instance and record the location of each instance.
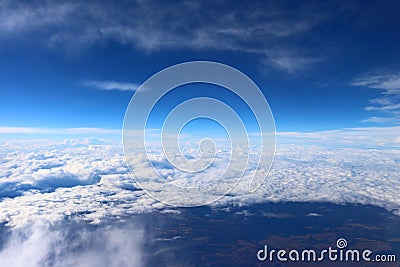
(321, 66)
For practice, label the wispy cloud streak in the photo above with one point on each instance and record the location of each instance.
(35, 130)
(254, 27)
(388, 104)
(111, 85)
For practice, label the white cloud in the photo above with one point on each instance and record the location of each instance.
(368, 137)
(35, 179)
(22, 18)
(388, 104)
(388, 82)
(111, 85)
(60, 131)
(250, 28)
(33, 253)
(58, 180)
(375, 119)
(44, 244)
(291, 62)
(63, 236)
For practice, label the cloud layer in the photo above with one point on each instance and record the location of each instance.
(66, 203)
(90, 182)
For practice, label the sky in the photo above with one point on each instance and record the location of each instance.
(330, 71)
(76, 64)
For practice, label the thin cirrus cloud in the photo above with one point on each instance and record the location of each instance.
(71, 24)
(354, 137)
(111, 85)
(368, 137)
(291, 63)
(388, 104)
(60, 131)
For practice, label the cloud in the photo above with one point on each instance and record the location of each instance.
(375, 119)
(389, 82)
(23, 18)
(388, 104)
(60, 131)
(44, 244)
(111, 85)
(65, 179)
(262, 28)
(36, 176)
(368, 137)
(314, 214)
(291, 62)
